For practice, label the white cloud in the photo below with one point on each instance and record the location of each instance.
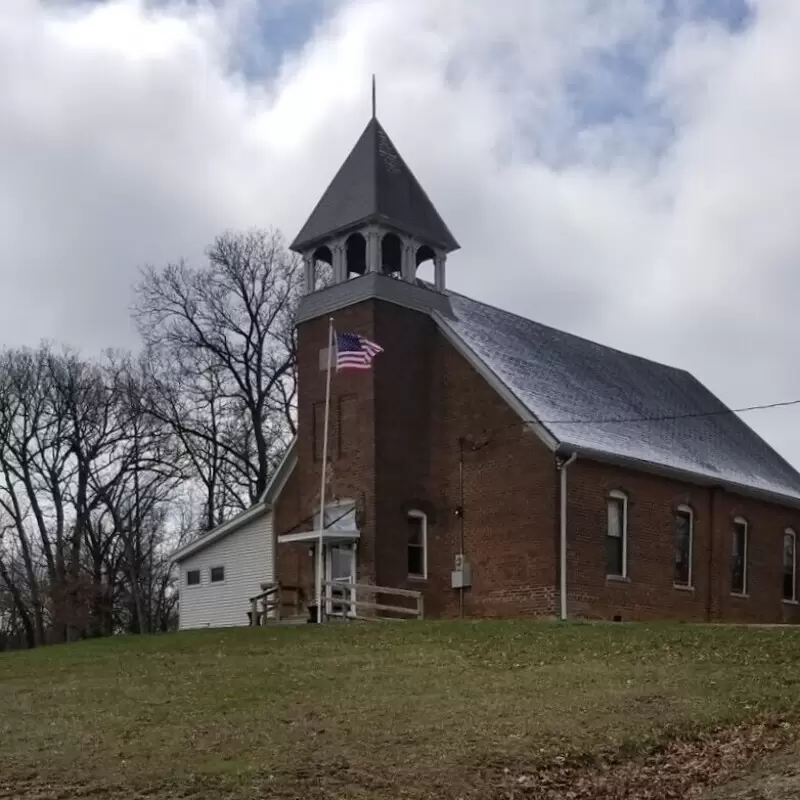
(667, 229)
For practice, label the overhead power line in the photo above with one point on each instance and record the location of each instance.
(668, 417)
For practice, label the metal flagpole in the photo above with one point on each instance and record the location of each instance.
(320, 546)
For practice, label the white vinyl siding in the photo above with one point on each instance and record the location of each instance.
(247, 557)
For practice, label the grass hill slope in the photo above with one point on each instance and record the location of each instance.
(416, 710)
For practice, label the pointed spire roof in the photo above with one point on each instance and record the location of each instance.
(375, 185)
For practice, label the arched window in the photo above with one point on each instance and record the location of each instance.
(417, 523)
(739, 556)
(617, 535)
(789, 566)
(684, 547)
(355, 254)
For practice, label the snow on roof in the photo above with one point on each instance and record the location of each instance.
(577, 389)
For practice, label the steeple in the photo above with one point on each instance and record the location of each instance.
(374, 217)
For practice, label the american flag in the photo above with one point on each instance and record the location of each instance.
(354, 351)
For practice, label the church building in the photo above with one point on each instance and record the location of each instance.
(494, 465)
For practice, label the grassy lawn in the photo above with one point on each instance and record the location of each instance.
(385, 710)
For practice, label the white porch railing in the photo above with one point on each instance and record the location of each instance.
(356, 598)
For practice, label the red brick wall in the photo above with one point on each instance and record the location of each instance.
(510, 499)
(649, 591)
(403, 378)
(350, 442)
(405, 418)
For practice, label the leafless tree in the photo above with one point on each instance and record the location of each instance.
(16, 619)
(221, 349)
(85, 477)
(34, 466)
(108, 464)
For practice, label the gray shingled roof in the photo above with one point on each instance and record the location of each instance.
(563, 379)
(375, 184)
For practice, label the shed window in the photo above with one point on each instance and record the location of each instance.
(217, 574)
(193, 577)
(617, 535)
(739, 557)
(684, 545)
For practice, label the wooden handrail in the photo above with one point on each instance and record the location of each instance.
(272, 599)
(353, 605)
(380, 606)
(273, 588)
(368, 587)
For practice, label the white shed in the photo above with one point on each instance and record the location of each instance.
(220, 571)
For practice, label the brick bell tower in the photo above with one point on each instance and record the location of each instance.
(361, 247)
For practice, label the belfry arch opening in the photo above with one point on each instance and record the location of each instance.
(392, 255)
(322, 264)
(425, 263)
(355, 249)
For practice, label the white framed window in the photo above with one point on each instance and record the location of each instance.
(417, 522)
(217, 574)
(789, 566)
(193, 577)
(684, 546)
(739, 556)
(617, 535)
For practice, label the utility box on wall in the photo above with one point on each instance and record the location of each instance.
(461, 576)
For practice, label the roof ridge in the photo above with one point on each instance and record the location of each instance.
(373, 126)
(413, 178)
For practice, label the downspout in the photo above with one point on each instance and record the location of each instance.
(562, 468)
(461, 517)
(711, 544)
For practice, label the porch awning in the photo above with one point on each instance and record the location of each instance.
(340, 525)
(329, 536)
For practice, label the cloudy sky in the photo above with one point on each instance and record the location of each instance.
(622, 169)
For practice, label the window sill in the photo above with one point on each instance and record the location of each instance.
(740, 595)
(617, 579)
(418, 578)
(791, 602)
(682, 587)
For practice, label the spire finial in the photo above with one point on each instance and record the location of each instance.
(374, 100)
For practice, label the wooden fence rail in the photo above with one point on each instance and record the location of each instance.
(354, 605)
(380, 602)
